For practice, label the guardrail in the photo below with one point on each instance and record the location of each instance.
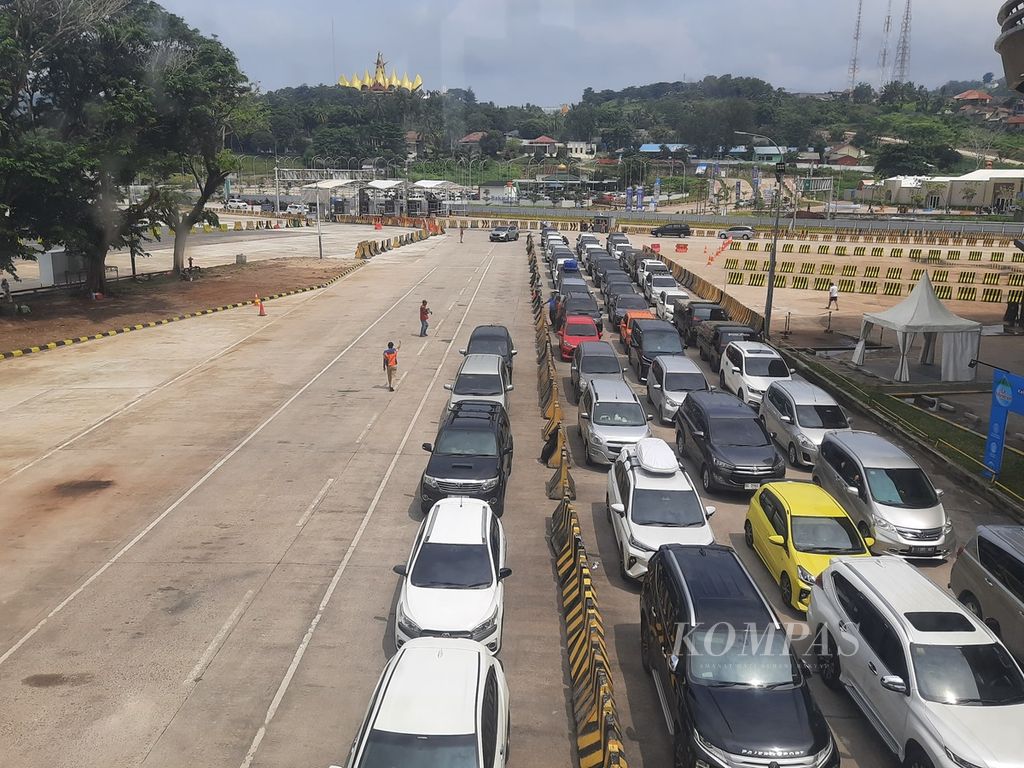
(367, 249)
(598, 735)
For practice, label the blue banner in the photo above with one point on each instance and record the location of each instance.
(639, 199)
(739, 191)
(629, 198)
(1007, 397)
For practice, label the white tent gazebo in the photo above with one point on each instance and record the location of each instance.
(922, 313)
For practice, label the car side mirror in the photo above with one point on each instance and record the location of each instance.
(585, 416)
(734, 369)
(853, 489)
(401, 570)
(625, 370)
(893, 683)
(509, 387)
(773, 435)
(448, 386)
(673, 662)
(655, 386)
(939, 492)
(785, 419)
(869, 541)
(462, 351)
(515, 352)
(504, 573)
(428, 447)
(710, 509)
(650, 417)
(792, 370)
(617, 508)
(777, 540)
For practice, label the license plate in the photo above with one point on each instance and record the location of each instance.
(922, 551)
(751, 486)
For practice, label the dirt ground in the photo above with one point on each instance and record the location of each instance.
(64, 315)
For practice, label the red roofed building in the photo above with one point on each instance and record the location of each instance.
(1015, 123)
(973, 97)
(546, 143)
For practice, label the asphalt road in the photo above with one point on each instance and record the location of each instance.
(199, 523)
(647, 739)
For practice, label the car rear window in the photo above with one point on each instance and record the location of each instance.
(581, 329)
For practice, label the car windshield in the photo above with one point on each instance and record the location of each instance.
(665, 508)
(385, 749)
(478, 384)
(773, 367)
(821, 417)
(662, 342)
(706, 313)
(488, 346)
(980, 675)
(630, 301)
(501, 229)
(743, 432)
(619, 415)
(452, 566)
(826, 535)
(661, 281)
(581, 304)
(908, 487)
(685, 382)
(722, 657)
(588, 330)
(466, 442)
(600, 364)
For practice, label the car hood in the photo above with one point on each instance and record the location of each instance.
(653, 536)
(462, 467)
(448, 610)
(621, 434)
(758, 722)
(747, 456)
(928, 517)
(989, 733)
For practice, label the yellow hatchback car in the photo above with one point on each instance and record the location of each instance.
(796, 529)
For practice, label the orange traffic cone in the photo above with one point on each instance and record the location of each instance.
(377, 225)
(259, 303)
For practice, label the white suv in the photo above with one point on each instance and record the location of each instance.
(933, 680)
(651, 501)
(748, 367)
(452, 584)
(439, 701)
(236, 205)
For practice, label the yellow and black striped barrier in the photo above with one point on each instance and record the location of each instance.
(894, 273)
(990, 278)
(800, 282)
(827, 269)
(944, 292)
(868, 286)
(750, 265)
(849, 270)
(821, 283)
(804, 248)
(974, 256)
(992, 295)
(966, 293)
(996, 257)
(871, 272)
(736, 278)
(808, 268)
(732, 263)
(786, 267)
(966, 278)
(846, 285)
(892, 289)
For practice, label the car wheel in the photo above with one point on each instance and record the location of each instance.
(680, 757)
(786, 590)
(608, 507)
(622, 568)
(703, 355)
(916, 758)
(705, 479)
(721, 379)
(970, 602)
(649, 401)
(794, 458)
(740, 396)
(645, 645)
(716, 365)
(680, 444)
(748, 534)
(828, 660)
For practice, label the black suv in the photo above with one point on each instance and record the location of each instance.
(671, 230)
(713, 336)
(725, 440)
(648, 340)
(471, 456)
(694, 314)
(577, 303)
(735, 692)
(492, 340)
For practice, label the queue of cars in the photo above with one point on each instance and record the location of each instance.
(933, 672)
(443, 699)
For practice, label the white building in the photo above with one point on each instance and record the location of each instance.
(581, 149)
(984, 188)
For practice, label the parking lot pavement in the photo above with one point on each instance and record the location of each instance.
(647, 741)
(197, 569)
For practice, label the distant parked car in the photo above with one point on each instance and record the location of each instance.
(504, 234)
(297, 209)
(671, 230)
(738, 233)
(236, 205)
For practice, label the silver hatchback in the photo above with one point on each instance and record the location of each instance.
(610, 418)
(800, 414)
(593, 360)
(887, 495)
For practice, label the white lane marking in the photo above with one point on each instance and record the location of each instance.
(462, 291)
(438, 327)
(315, 502)
(131, 404)
(198, 483)
(218, 640)
(452, 306)
(420, 352)
(401, 379)
(368, 427)
(307, 638)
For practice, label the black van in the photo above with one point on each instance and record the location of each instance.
(731, 686)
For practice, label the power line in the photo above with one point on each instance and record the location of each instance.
(852, 74)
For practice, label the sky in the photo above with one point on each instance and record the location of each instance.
(547, 52)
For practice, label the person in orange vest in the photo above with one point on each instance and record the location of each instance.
(391, 363)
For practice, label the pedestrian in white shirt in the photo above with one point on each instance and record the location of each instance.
(833, 296)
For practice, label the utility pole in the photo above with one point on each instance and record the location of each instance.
(903, 47)
(852, 73)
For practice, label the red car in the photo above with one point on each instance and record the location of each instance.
(577, 328)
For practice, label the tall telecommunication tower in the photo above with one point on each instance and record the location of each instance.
(902, 64)
(852, 74)
(883, 53)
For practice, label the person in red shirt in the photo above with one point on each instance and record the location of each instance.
(425, 314)
(391, 363)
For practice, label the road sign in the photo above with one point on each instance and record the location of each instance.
(780, 167)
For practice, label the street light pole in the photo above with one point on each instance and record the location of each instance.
(779, 173)
(319, 234)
